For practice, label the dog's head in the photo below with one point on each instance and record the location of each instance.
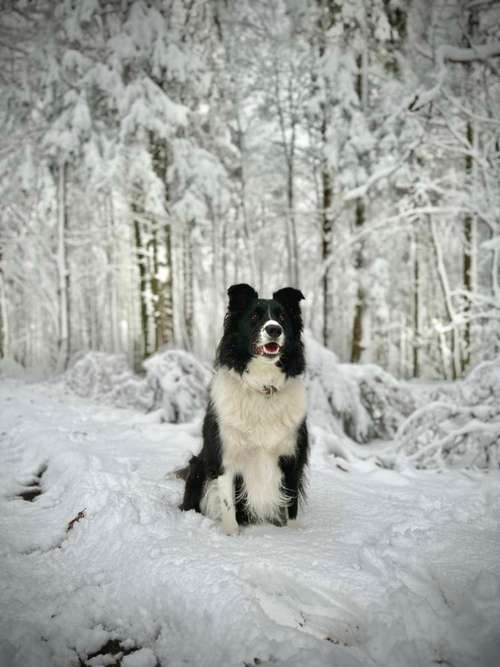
(268, 328)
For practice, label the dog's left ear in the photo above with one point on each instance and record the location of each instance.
(289, 297)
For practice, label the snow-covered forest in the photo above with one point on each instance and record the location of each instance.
(152, 153)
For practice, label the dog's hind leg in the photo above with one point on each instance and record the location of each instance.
(228, 511)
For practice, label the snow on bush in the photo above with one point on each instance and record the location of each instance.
(107, 378)
(461, 429)
(363, 401)
(175, 382)
(179, 383)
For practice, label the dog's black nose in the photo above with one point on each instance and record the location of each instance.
(273, 330)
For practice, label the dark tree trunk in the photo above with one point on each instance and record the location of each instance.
(163, 290)
(143, 280)
(360, 306)
(467, 260)
(359, 221)
(468, 221)
(326, 19)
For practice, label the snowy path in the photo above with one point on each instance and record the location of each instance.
(385, 569)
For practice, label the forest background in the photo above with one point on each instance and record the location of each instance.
(153, 153)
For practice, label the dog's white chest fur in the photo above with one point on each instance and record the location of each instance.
(258, 414)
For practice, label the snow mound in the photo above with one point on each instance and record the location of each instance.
(461, 429)
(362, 401)
(175, 382)
(107, 378)
(179, 383)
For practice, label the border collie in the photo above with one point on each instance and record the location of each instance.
(255, 444)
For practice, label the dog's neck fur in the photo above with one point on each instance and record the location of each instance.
(264, 376)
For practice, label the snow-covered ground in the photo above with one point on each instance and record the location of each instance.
(385, 568)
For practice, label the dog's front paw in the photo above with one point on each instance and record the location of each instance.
(230, 527)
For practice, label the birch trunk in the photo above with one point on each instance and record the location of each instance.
(450, 310)
(416, 306)
(113, 291)
(168, 287)
(187, 270)
(64, 342)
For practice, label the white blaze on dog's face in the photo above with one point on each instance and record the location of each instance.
(268, 326)
(271, 340)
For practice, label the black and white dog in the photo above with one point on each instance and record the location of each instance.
(255, 444)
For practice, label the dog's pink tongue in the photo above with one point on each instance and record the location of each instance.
(272, 348)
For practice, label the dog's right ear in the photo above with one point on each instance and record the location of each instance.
(240, 296)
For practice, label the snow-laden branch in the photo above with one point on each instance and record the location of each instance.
(363, 189)
(460, 427)
(453, 54)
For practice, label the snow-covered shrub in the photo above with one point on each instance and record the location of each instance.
(334, 400)
(174, 382)
(387, 401)
(107, 378)
(363, 401)
(460, 430)
(179, 384)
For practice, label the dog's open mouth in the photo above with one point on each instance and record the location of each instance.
(268, 350)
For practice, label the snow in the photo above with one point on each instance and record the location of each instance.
(383, 567)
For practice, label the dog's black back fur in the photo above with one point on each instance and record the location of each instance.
(245, 315)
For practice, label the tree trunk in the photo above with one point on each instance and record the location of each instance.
(469, 239)
(64, 342)
(467, 259)
(288, 140)
(113, 292)
(450, 311)
(163, 290)
(168, 287)
(326, 246)
(187, 269)
(416, 307)
(358, 343)
(140, 252)
(325, 22)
